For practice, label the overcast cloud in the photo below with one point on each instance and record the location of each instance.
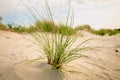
(97, 13)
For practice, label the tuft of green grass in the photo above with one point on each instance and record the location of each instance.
(46, 26)
(31, 29)
(66, 30)
(59, 49)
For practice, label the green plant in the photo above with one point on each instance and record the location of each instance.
(46, 26)
(66, 30)
(83, 27)
(101, 32)
(59, 49)
(110, 32)
(17, 28)
(31, 29)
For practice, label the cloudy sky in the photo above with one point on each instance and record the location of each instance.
(97, 13)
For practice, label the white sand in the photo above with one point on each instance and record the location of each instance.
(103, 62)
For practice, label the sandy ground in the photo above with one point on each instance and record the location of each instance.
(103, 62)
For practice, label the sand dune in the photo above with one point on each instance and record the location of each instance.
(103, 62)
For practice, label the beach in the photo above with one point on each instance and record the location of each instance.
(103, 62)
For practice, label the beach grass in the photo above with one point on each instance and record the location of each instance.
(58, 48)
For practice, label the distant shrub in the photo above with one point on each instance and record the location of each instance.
(2, 26)
(20, 29)
(101, 32)
(45, 26)
(66, 30)
(17, 28)
(83, 27)
(113, 32)
(118, 30)
(31, 29)
(110, 32)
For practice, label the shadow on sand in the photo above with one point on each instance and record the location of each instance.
(9, 74)
(38, 71)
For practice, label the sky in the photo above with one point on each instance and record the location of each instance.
(96, 13)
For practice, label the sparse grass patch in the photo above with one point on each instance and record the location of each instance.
(66, 30)
(99, 32)
(2, 27)
(83, 27)
(16, 28)
(31, 29)
(59, 49)
(103, 32)
(46, 26)
(19, 28)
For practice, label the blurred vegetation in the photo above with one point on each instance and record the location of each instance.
(83, 27)
(17, 28)
(45, 26)
(2, 26)
(66, 30)
(49, 26)
(101, 32)
(42, 26)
